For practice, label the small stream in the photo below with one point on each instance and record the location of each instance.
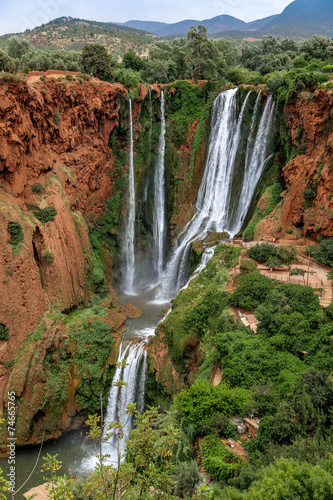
(74, 449)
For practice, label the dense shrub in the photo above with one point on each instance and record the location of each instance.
(4, 332)
(37, 188)
(94, 344)
(322, 252)
(16, 233)
(45, 214)
(128, 77)
(203, 399)
(217, 424)
(56, 116)
(186, 478)
(251, 289)
(218, 461)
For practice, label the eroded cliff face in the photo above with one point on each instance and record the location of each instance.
(53, 153)
(308, 176)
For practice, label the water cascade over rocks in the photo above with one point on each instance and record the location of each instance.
(159, 201)
(128, 246)
(133, 375)
(214, 195)
(213, 214)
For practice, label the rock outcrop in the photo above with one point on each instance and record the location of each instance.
(308, 178)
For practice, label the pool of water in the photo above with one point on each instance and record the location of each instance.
(74, 448)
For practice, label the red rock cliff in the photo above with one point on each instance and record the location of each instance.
(310, 121)
(54, 135)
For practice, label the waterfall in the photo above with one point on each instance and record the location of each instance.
(128, 250)
(255, 162)
(133, 375)
(159, 201)
(215, 190)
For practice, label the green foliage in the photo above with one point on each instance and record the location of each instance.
(18, 47)
(48, 256)
(94, 344)
(185, 107)
(4, 332)
(45, 214)
(56, 116)
(186, 479)
(218, 461)
(297, 272)
(128, 77)
(6, 62)
(97, 61)
(287, 253)
(287, 479)
(310, 194)
(16, 234)
(37, 188)
(323, 252)
(251, 289)
(132, 61)
(217, 424)
(203, 399)
(262, 251)
(196, 307)
(247, 266)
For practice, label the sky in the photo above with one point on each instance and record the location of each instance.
(18, 15)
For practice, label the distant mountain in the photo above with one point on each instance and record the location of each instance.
(300, 19)
(72, 34)
(151, 26)
(261, 23)
(214, 25)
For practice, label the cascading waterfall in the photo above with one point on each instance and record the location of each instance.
(128, 250)
(212, 215)
(255, 162)
(159, 200)
(133, 375)
(215, 190)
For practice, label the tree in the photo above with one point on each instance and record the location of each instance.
(160, 60)
(149, 450)
(330, 275)
(317, 47)
(251, 290)
(297, 272)
(133, 61)
(247, 266)
(287, 254)
(202, 53)
(17, 47)
(6, 63)
(97, 61)
(59, 487)
(186, 477)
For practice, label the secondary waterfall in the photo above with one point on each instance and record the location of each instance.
(128, 249)
(133, 375)
(213, 201)
(159, 201)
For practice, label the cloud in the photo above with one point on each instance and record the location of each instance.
(19, 15)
